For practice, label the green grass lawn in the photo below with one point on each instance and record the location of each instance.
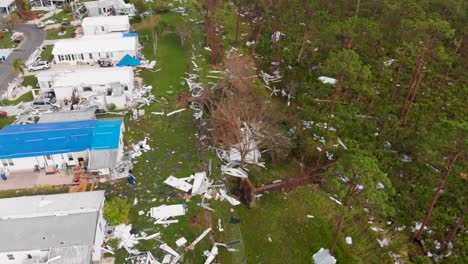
(6, 42)
(60, 16)
(47, 53)
(54, 33)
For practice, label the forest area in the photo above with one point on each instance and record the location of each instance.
(366, 98)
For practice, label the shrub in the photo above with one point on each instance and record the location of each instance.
(135, 19)
(111, 107)
(116, 211)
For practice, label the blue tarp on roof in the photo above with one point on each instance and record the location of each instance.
(20, 141)
(128, 60)
(131, 34)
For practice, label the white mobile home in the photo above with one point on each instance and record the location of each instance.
(105, 25)
(96, 144)
(116, 84)
(89, 49)
(38, 229)
(109, 8)
(7, 6)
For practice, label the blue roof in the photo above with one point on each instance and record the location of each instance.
(20, 141)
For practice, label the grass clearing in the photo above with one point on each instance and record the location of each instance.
(6, 42)
(282, 217)
(54, 33)
(60, 16)
(46, 54)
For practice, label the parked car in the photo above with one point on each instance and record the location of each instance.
(45, 104)
(3, 114)
(40, 25)
(105, 63)
(39, 65)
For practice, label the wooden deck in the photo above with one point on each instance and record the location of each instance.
(31, 179)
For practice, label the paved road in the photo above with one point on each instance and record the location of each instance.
(33, 39)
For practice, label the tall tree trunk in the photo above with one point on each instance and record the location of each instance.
(453, 234)
(339, 228)
(358, 7)
(304, 41)
(397, 81)
(257, 37)
(452, 161)
(410, 103)
(238, 21)
(405, 110)
(335, 97)
(444, 82)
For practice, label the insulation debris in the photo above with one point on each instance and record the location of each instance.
(236, 172)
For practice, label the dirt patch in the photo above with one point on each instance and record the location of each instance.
(195, 220)
(28, 16)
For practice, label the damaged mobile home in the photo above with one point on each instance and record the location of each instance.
(58, 228)
(114, 85)
(93, 145)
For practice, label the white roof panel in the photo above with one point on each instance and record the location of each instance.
(105, 20)
(100, 43)
(97, 76)
(50, 205)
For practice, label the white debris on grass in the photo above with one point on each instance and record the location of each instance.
(384, 242)
(323, 257)
(169, 250)
(336, 201)
(220, 227)
(141, 212)
(178, 183)
(250, 43)
(417, 226)
(199, 238)
(176, 111)
(389, 62)
(140, 147)
(201, 183)
(342, 144)
(380, 186)
(276, 36)
(181, 241)
(349, 240)
(212, 255)
(327, 80)
(230, 199)
(310, 216)
(165, 212)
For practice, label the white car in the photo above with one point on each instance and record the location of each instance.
(45, 104)
(39, 65)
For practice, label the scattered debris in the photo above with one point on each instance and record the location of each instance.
(199, 238)
(328, 80)
(236, 172)
(176, 111)
(178, 183)
(384, 242)
(349, 240)
(323, 257)
(231, 200)
(212, 254)
(336, 201)
(181, 241)
(164, 212)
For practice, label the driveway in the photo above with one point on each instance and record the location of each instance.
(33, 39)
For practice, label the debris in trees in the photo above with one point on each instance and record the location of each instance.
(327, 80)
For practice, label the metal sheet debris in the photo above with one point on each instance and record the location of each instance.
(176, 111)
(178, 183)
(199, 238)
(164, 212)
(323, 257)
